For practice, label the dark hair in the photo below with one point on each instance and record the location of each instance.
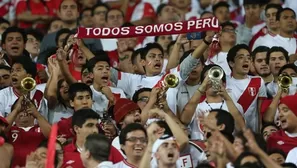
(288, 165)
(51, 22)
(138, 92)
(224, 117)
(82, 115)
(44, 144)
(280, 11)
(99, 147)
(204, 13)
(220, 4)
(225, 24)
(127, 24)
(2, 20)
(35, 33)
(99, 5)
(233, 52)
(5, 67)
(170, 45)
(134, 55)
(67, 37)
(279, 151)
(27, 63)
(205, 70)
(277, 49)
(237, 163)
(271, 5)
(243, 139)
(78, 87)
(267, 125)
(258, 50)
(149, 47)
(76, 2)
(13, 30)
(187, 53)
(60, 32)
(130, 128)
(100, 56)
(204, 164)
(164, 125)
(84, 10)
(112, 9)
(288, 66)
(160, 8)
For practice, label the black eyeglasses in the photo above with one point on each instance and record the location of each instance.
(135, 139)
(143, 99)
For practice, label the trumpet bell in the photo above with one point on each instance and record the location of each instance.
(171, 80)
(285, 81)
(215, 73)
(28, 84)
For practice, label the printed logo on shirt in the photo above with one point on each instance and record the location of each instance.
(252, 91)
(186, 161)
(70, 161)
(280, 142)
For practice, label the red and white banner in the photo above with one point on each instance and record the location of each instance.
(190, 26)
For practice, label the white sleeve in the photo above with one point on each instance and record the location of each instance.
(43, 108)
(262, 90)
(2, 103)
(125, 81)
(257, 43)
(122, 93)
(239, 108)
(292, 156)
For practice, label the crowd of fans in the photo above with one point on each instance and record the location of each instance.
(110, 98)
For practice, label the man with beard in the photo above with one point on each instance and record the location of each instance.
(261, 68)
(125, 112)
(84, 123)
(276, 58)
(6, 149)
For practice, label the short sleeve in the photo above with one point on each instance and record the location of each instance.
(125, 81)
(292, 156)
(262, 90)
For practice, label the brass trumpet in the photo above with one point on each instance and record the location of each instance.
(170, 81)
(215, 75)
(284, 82)
(27, 85)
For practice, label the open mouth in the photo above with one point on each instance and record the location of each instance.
(14, 80)
(104, 79)
(15, 48)
(138, 149)
(137, 121)
(158, 66)
(80, 57)
(89, 82)
(245, 66)
(170, 155)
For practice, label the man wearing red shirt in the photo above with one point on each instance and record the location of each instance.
(286, 138)
(84, 123)
(25, 136)
(80, 96)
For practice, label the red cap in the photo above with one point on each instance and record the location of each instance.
(290, 101)
(122, 108)
(3, 120)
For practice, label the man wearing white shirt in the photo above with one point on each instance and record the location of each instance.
(22, 67)
(213, 100)
(248, 91)
(227, 40)
(292, 156)
(95, 152)
(276, 58)
(286, 19)
(103, 94)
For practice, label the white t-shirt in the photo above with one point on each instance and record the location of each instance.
(123, 164)
(8, 97)
(246, 92)
(292, 156)
(100, 103)
(55, 115)
(261, 41)
(202, 109)
(221, 60)
(288, 44)
(272, 88)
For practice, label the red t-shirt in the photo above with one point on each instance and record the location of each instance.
(71, 157)
(24, 142)
(35, 9)
(280, 140)
(65, 128)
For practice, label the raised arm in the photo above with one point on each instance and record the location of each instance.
(51, 86)
(269, 114)
(61, 56)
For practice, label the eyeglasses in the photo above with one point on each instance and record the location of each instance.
(143, 99)
(135, 139)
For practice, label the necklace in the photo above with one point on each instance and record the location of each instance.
(212, 108)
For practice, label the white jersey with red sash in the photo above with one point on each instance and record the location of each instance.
(246, 92)
(124, 164)
(8, 96)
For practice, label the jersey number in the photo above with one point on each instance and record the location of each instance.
(14, 137)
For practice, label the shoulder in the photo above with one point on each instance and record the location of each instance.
(6, 91)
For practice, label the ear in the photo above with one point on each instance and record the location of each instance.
(76, 129)
(157, 156)
(221, 127)
(71, 103)
(88, 154)
(142, 62)
(231, 64)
